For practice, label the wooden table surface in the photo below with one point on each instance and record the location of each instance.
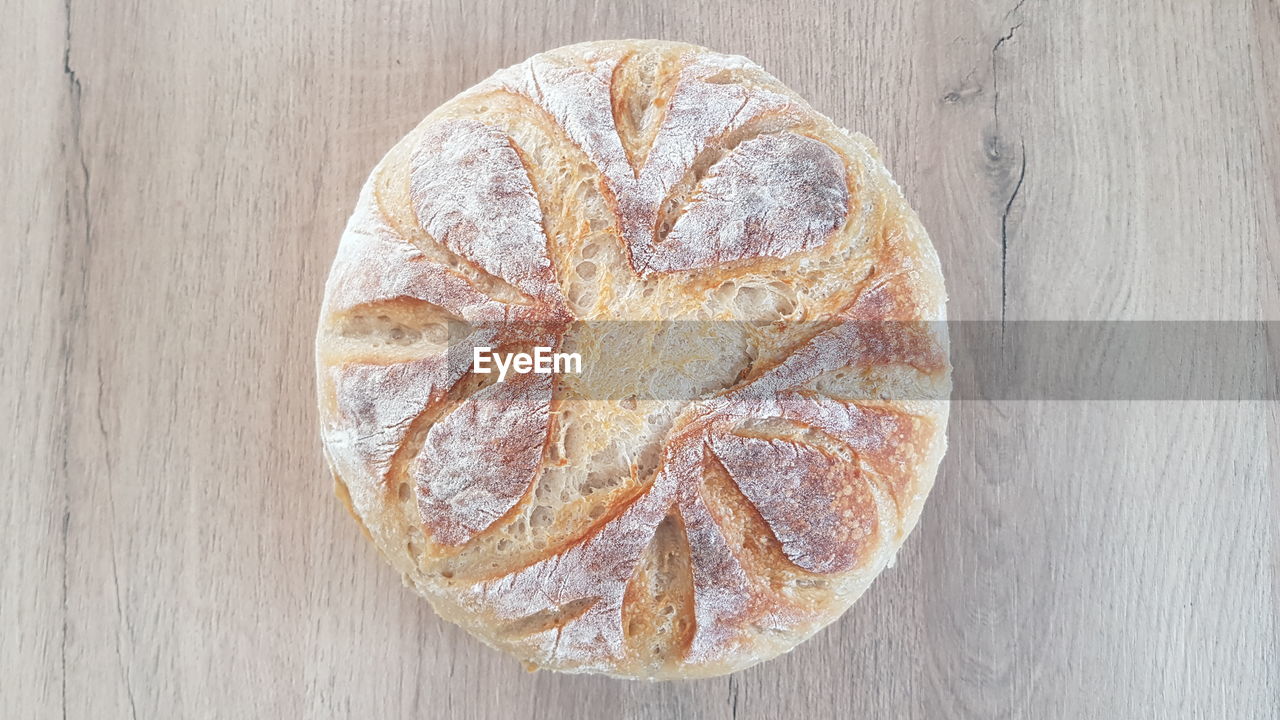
(176, 176)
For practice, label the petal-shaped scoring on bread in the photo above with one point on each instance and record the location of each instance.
(596, 568)
(724, 594)
(482, 457)
(773, 196)
(812, 501)
(378, 403)
(375, 263)
(471, 193)
(885, 440)
(785, 497)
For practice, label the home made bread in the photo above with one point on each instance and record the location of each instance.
(760, 408)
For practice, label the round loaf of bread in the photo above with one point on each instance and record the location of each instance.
(758, 407)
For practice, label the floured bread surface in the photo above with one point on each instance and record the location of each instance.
(760, 413)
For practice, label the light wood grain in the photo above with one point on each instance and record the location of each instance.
(176, 176)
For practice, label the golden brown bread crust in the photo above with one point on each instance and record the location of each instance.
(709, 492)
